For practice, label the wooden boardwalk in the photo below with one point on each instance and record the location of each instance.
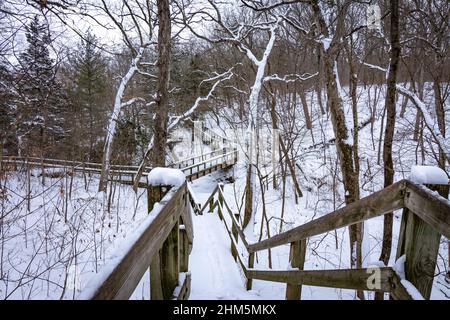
(166, 243)
(426, 217)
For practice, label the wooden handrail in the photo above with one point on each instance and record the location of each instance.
(121, 279)
(377, 204)
(220, 156)
(420, 201)
(357, 279)
(236, 224)
(209, 165)
(432, 208)
(93, 165)
(174, 164)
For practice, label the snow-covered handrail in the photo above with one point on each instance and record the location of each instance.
(425, 209)
(119, 277)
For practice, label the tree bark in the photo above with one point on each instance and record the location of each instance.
(344, 147)
(390, 105)
(158, 156)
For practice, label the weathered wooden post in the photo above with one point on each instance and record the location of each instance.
(234, 232)
(419, 242)
(297, 260)
(183, 246)
(220, 206)
(211, 204)
(154, 194)
(251, 263)
(164, 267)
(170, 263)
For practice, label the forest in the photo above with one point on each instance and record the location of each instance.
(311, 106)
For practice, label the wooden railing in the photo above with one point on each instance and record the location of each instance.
(192, 160)
(202, 168)
(426, 216)
(210, 162)
(58, 163)
(163, 244)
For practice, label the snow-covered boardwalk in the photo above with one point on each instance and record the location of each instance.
(215, 274)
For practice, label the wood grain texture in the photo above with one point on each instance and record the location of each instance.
(377, 204)
(434, 210)
(297, 260)
(346, 278)
(123, 279)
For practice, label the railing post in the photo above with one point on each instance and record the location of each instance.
(183, 245)
(154, 195)
(224, 161)
(164, 268)
(419, 242)
(220, 206)
(251, 263)
(297, 260)
(170, 263)
(211, 204)
(234, 231)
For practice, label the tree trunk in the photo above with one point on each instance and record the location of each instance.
(390, 105)
(112, 125)
(158, 156)
(344, 147)
(305, 109)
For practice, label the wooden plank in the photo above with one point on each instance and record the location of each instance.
(251, 263)
(432, 209)
(185, 290)
(355, 279)
(211, 197)
(170, 263)
(234, 232)
(297, 260)
(398, 291)
(220, 199)
(401, 235)
(186, 218)
(236, 224)
(123, 279)
(379, 203)
(184, 251)
(421, 248)
(156, 292)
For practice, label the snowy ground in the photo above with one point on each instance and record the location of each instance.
(322, 188)
(53, 248)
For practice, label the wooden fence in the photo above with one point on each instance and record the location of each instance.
(163, 246)
(193, 168)
(426, 216)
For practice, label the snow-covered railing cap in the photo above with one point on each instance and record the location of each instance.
(166, 177)
(428, 175)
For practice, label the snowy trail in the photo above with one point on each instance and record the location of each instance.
(215, 274)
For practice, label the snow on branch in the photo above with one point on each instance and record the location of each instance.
(147, 74)
(420, 105)
(147, 64)
(132, 101)
(372, 66)
(178, 119)
(290, 77)
(220, 78)
(429, 122)
(112, 124)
